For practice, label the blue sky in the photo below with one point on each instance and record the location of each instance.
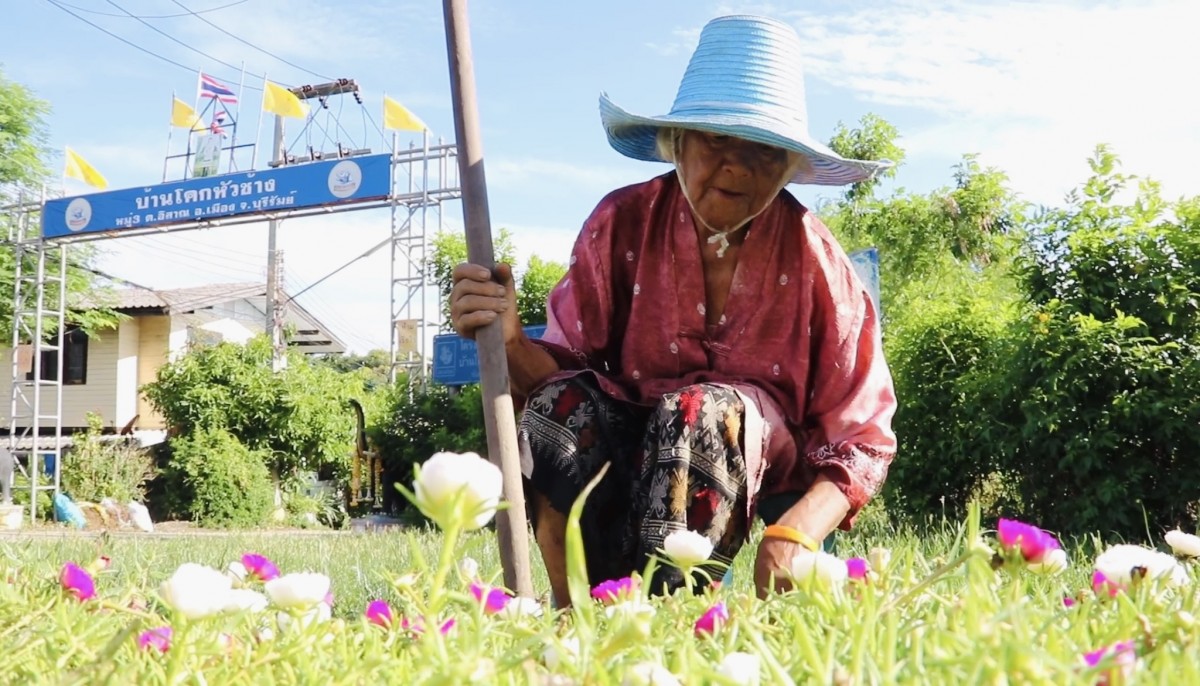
(1031, 87)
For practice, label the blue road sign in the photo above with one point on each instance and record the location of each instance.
(866, 265)
(316, 184)
(456, 359)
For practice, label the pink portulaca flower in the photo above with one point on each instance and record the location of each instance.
(260, 567)
(1101, 585)
(615, 590)
(857, 568)
(417, 625)
(76, 581)
(379, 613)
(493, 599)
(1033, 542)
(1068, 601)
(156, 639)
(713, 619)
(1124, 659)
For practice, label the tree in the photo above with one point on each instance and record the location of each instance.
(538, 278)
(449, 251)
(533, 282)
(23, 170)
(374, 368)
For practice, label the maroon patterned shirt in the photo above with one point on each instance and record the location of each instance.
(799, 336)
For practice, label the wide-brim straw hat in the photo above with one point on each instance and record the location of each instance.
(744, 80)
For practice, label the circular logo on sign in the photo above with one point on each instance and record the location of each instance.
(344, 179)
(79, 213)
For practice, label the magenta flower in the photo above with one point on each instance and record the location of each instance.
(1030, 540)
(157, 639)
(76, 581)
(417, 626)
(1068, 601)
(493, 599)
(379, 613)
(1101, 586)
(260, 567)
(1124, 658)
(857, 568)
(713, 619)
(611, 591)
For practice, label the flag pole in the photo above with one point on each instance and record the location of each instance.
(258, 126)
(170, 130)
(238, 117)
(499, 417)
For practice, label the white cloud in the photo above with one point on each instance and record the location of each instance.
(1032, 87)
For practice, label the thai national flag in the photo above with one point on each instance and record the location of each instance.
(217, 120)
(212, 88)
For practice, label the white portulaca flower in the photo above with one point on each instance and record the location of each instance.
(236, 571)
(825, 569)
(245, 600)
(687, 548)
(879, 558)
(318, 614)
(649, 674)
(741, 668)
(463, 489)
(298, 590)
(1052, 562)
(468, 568)
(1184, 545)
(1120, 563)
(196, 591)
(635, 608)
(555, 654)
(522, 607)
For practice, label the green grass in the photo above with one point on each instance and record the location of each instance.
(969, 625)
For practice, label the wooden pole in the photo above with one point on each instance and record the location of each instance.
(498, 415)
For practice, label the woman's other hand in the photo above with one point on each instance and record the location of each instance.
(773, 566)
(477, 300)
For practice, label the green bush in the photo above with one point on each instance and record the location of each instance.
(299, 416)
(420, 422)
(95, 469)
(224, 483)
(942, 355)
(1103, 382)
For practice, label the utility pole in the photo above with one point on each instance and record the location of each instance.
(275, 271)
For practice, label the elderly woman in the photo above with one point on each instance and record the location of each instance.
(710, 339)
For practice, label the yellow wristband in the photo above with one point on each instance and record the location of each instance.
(788, 533)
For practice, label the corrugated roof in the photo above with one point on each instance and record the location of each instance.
(184, 300)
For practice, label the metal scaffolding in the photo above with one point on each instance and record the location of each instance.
(38, 336)
(432, 180)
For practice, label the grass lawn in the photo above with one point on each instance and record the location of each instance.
(938, 613)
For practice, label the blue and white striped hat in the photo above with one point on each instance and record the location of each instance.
(744, 80)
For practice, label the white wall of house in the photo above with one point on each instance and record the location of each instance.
(98, 395)
(128, 343)
(153, 352)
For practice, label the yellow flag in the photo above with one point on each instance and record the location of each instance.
(78, 168)
(183, 116)
(397, 116)
(281, 101)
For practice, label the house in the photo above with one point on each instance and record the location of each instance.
(104, 373)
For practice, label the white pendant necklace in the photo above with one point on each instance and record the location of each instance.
(721, 237)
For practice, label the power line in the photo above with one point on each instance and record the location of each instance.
(252, 45)
(368, 253)
(128, 42)
(154, 16)
(198, 51)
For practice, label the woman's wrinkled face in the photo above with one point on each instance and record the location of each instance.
(729, 180)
